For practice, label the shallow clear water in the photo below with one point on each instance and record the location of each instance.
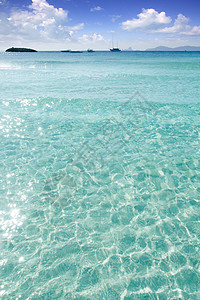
(100, 175)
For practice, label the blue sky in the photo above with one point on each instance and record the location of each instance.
(82, 24)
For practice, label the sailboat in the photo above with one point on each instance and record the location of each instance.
(115, 49)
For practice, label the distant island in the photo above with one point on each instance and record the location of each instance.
(13, 49)
(128, 49)
(183, 48)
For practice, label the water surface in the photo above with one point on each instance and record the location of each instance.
(100, 175)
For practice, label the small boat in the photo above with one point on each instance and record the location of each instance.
(90, 50)
(115, 49)
(65, 50)
(71, 51)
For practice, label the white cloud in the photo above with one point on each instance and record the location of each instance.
(94, 37)
(40, 21)
(150, 20)
(147, 19)
(182, 27)
(2, 2)
(180, 24)
(4, 24)
(194, 31)
(97, 8)
(115, 17)
(75, 28)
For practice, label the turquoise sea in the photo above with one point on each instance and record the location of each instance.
(100, 175)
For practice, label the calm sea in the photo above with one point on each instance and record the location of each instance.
(100, 175)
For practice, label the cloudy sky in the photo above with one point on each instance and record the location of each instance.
(82, 24)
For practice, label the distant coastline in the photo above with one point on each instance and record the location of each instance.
(182, 48)
(156, 49)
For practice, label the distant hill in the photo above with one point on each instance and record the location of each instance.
(183, 48)
(13, 49)
(128, 49)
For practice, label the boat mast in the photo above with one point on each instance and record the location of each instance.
(112, 41)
